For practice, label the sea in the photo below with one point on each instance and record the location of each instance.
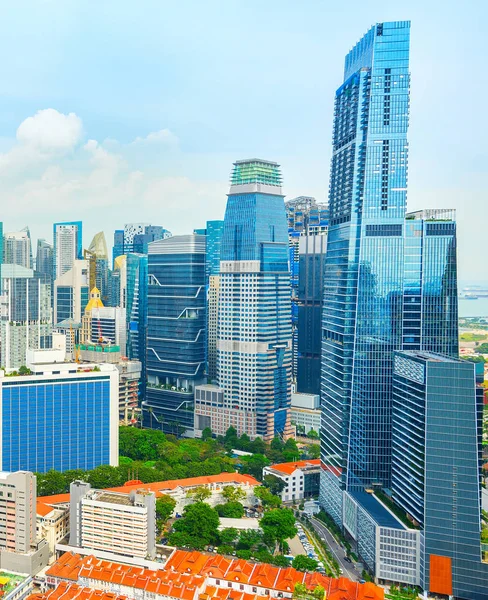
(473, 308)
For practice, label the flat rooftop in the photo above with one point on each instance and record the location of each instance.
(378, 512)
(111, 498)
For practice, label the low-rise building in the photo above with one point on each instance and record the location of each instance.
(192, 576)
(117, 522)
(305, 412)
(302, 478)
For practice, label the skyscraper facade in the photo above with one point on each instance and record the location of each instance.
(135, 294)
(176, 322)
(436, 446)
(254, 323)
(68, 246)
(17, 248)
(71, 293)
(44, 259)
(305, 217)
(390, 283)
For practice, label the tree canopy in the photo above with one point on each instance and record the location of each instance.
(197, 528)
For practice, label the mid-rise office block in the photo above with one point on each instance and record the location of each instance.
(254, 323)
(68, 246)
(97, 256)
(112, 521)
(436, 436)
(71, 293)
(50, 417)
(176, 325)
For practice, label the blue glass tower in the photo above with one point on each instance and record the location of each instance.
(136, 311)
(254, 333)
(176, 325)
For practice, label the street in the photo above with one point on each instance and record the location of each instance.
(348, 568)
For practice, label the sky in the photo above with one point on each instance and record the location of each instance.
(114, 111)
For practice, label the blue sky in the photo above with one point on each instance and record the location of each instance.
(164, 96)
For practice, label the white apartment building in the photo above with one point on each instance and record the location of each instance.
(71, 293)
(305, 412)
(65, 247)
(301, 477)
(113, 521)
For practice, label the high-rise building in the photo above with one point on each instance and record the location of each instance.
(136, 292)
(213, 231)
(97, 257)
(17, 248)
(390, 283)
(71, 293)
(254, 324)
(436, 446)
(176, 322)
(51, 417)
(44, 259)
(68, 246)
(25, 314)
(135, 237)
(118, 247)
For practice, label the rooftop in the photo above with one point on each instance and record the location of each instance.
(291, 467)
(378, 512)
(255, 170)
(111, 498)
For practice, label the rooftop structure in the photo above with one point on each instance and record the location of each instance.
(255, 170)
(197, 576)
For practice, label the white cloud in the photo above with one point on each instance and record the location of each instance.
(51, 131)
(163, 136)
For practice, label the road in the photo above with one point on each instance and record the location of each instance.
(348, 569)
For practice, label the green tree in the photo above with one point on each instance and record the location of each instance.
(277, 444)
(279, 524)
(263, 556)
(253, 465)
(140, 444)
(51, 483)
(281, 561)
(274, 484)
(313, 451)
(300, 590)
(207, 434)
(228, 535)
(318, 592)
(232, 493)
(199, 524)
(244, 554)
(199, 494)
(165, 506)
(268, 500)
(225, 549)
(312, 434)
(301, 562)
(105, 476)
(249, 539)
(230, 510)
(258, 446)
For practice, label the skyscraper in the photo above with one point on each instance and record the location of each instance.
(68, 246)
(97, 256)
(71, 293)
(436, 445)
(254, 323)
(17, 248)
(44, 259)
(390, 283)
(176, 321)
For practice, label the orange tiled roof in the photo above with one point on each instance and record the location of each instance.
(70, 591)
(289, 467)
(185, 574)
(159, 488)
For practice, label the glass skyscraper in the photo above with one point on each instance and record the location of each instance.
(176, 322)
(254, 324)
(68, 246)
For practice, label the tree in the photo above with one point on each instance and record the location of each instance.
(165, 506)
(301, 562)
(230, 510)
(263, 556)
(274, 484)
(300, 590)
(279, 524)
(249, 539)
(199, 524)
(228, 535)
(268, 500)
(199, 494)
(232, 493)
(281, 561)
(51, 483)
(318, 592)
(312, 434)
(277, 444)
(207, 434)
(245, 554)
(253, 465)
(313, 451)
(225, 549)
(105, 476)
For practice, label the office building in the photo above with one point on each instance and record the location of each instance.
(309, 301)
(436, 447)
(254, 324)
(51, 416)
(20, 551)
(390, 283)
(44, 259)
(17, 248)
(176, 322)
(71, 293)
(25, 314)
(305, 217)
(104, 324)
(115, 522)
(68, 246)
(135, 237)
(118, 246)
